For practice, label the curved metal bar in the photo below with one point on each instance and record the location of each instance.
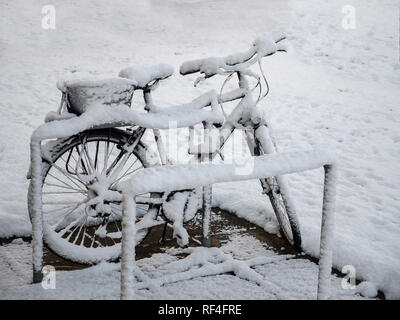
(178, 177)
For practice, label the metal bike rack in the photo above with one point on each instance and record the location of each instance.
(179, 177)
(263, 167)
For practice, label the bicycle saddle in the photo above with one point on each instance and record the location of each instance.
(143, 76)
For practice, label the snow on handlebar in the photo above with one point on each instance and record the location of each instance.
(262, 47)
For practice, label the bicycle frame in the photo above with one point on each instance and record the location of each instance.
(241, 117)
(240, 114)
(237, 116)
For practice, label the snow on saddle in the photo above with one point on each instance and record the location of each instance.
(144, 76)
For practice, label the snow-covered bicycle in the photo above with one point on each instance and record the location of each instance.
(99, 143)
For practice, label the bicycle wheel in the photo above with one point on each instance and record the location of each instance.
(277, 191)
(76, 170)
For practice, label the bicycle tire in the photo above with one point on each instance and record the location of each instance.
(62, 246)
(275, 188)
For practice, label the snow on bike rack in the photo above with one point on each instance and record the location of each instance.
(179, 177)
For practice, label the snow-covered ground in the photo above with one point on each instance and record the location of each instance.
(286, 278)
(337, 88)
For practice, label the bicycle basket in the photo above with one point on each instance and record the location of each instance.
(81, 94)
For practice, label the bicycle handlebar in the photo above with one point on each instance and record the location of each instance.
(262, 47)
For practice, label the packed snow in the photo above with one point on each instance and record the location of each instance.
(274, 276)
(367, 289)
(142, 76)
(336, 88)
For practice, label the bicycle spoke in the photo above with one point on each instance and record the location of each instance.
(69, 176)
(96, 242)
(71, 225)
(58, 209)
(63, 187)
(65, 215)
(66, 173)
(79, 232)
(71, 233)
(112, 239)
(97, 153)
(126, 173)
(80, 159)
(116, 224)
(107, 156)
(84, 157)
(115, 162)
(57, 202)
(76, 161)
(93, 240)
(95, 235)
(78, 236)
(63, 182)
(59, 218)
(60, 192)
(86, 153)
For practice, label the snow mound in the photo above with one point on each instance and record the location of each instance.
(367, 289)
(15, 222)
(1, 150)
(142, 76)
